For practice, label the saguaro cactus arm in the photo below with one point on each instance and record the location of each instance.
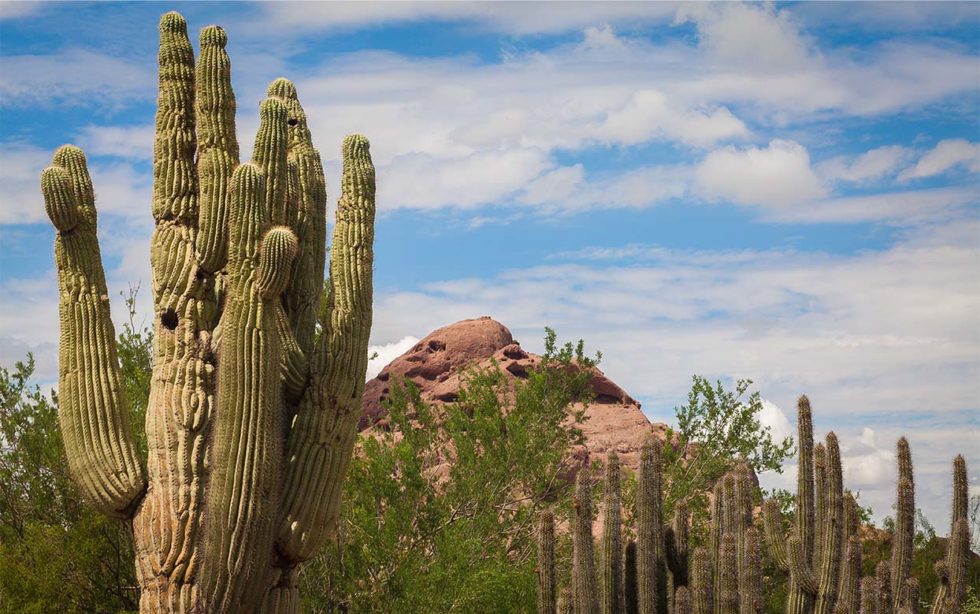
(93, 413)
(322, 432)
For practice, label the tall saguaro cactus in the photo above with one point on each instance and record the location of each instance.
(252, 414)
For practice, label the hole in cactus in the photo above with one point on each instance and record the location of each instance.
(292, 121)
(169, 319)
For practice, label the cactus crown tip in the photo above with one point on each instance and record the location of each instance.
(173, 21)
(214, 35)
(69, 153)
(282, 88)
(356, 141)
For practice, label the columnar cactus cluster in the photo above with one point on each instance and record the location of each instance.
(648, 574)
(656, 574)
(727, 577)
(256, 390)
(823, 551)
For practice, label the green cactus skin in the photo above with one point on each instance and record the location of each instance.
(649, 544)
(849, 593)
(585, 589)
(750, 574)
(547, 580)
(952, 570)
(612, 539)
(702, 582)
(250, 422)
(869, 595)
(902, 540)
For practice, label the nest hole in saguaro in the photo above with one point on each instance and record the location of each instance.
(169, 319)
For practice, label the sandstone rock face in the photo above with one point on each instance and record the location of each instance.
(437, 363)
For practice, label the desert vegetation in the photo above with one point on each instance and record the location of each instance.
(211, 461)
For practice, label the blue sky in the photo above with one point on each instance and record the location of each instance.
(785, 192)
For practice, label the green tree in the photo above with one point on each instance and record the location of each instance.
(723, 428)
(441, 502)
(56, 554)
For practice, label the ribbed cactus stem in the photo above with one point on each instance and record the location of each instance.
(631, 595)
(728, 602)
(612, 539)
(676, 548)
(772, 519)
(566, 603)
(819, 493)
(716, 532)
(682, 601)
(649, 540)
(547, 580)
(93, 414)
(702, 582)
(253, 407)
(800, 601)
(831, 551)
(849, 593)
(883, 582)
(585, 588)
(910, 597)
(902, 540)
(869, 595)
(750, 574)
(952, 570)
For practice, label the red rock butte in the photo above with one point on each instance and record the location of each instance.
(437, 362)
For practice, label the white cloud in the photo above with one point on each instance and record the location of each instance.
(944, 156)
(134, 142)
(775, 418)
(21, 8)
(907, 208)
(74, 78)
(386, 353)
(871, 165)
(778, 176)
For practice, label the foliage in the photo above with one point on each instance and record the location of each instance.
(725, 428)
(56, 554)
(441, 502)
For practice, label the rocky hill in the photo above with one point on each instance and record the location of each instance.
(436, 363)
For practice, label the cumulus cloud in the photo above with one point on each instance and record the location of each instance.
(869, 166)
(387, 352)
(774, 417)
(777, 176)
(946, 155)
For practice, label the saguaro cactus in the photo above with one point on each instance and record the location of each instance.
(252, 416)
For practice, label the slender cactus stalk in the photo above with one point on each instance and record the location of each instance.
(952, 570)
(869, 595)
(612, 540)
(902, 540)
(631, 598)
(650, 551)
(546, 564)
(585, 588)
(702, 582)
(251, 417)
(750, 574)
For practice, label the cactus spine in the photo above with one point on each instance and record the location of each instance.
(676, 549)
(849, 593)
(546, 564)
(702, 581)
(612, 540)
(251, 418)
(902, 540)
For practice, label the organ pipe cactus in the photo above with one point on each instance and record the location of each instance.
(585, 589)
(547, 583)
(252, 415)
(702, 582)
(813, 552)
(953, 568)
(612, 539)
(904, 534)
(651, 576)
